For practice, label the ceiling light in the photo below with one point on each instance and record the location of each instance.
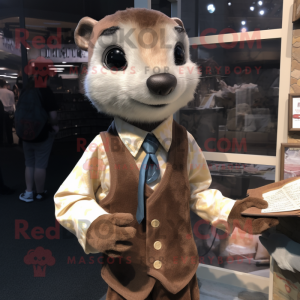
(262, 12)
(69, 76)
(8, 76)
(56, 69)
(243, 22)
(252, 8)
(260, 3)
(64, 62)
(229, 3)
(62, 66)
(211, 8)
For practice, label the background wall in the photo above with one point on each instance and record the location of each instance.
(294, 137)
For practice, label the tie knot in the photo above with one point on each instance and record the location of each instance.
(150, 144)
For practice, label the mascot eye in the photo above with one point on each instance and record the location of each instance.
(114, 59)
(179, 55)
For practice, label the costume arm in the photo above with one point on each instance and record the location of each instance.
(75, 202)
(209, 204)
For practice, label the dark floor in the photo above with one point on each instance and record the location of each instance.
(77, 280)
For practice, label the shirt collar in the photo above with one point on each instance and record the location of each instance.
(133, 137)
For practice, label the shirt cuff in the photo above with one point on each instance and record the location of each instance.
(221, 222)
(82, 223)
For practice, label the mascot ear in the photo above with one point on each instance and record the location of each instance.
(83, 32)
(178, 21)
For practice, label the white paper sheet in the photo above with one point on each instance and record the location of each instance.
(285, 199)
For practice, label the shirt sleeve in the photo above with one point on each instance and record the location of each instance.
(209, 204)
(12, 98)
(75, 202)
(12, 101)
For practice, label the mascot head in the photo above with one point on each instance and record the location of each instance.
(139, 64)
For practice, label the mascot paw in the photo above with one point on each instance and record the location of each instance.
(250, 225)
(110, 234)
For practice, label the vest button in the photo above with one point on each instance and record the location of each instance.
(154, 223)
(157, 264)
(157, 245)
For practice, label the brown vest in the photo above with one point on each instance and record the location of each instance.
(163, 248)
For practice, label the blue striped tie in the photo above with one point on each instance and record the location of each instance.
(149, 172)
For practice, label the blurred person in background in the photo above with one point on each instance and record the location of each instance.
(18, 86)
(37, 151)
(1, 123)
(4, 190)
(8, 100)
(16, 92)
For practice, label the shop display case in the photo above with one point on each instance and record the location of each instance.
(235, 109)
(77, 117)
(237, 118)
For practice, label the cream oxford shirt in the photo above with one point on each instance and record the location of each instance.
(75, 201)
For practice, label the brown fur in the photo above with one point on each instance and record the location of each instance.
(189, 292)
(250, 225)
(143, 17)
(153, 56)
(140, 19)
(97, 236)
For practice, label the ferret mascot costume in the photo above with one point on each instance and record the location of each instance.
(130, 194)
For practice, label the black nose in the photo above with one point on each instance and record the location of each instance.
(162, 84)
